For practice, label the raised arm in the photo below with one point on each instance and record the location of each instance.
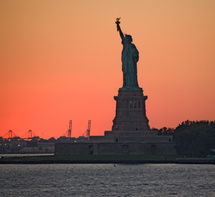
(119, 29)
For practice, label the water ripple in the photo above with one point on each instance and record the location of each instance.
(107, 180)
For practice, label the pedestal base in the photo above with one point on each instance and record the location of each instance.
(130, 111)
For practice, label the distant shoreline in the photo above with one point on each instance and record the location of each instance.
(57, 160)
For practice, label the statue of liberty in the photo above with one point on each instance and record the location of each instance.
(130, 57)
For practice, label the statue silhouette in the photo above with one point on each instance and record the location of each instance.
(130, 57)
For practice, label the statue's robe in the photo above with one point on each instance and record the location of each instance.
(130, 57)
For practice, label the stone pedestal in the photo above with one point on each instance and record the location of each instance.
(130, 111)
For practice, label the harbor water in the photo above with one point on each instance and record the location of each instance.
(107, 180)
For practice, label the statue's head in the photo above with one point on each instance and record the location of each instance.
(128, 38)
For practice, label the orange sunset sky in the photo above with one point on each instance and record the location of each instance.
(60, 60)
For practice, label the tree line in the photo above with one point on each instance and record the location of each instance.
(192, 137)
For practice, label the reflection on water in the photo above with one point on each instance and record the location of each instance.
(107, 180)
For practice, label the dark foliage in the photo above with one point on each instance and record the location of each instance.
(164, 131)
(192, 137)
(195, 137)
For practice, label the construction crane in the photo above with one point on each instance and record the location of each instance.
(10, 134)
(69, 132)
(30, 135)
(87, 132)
